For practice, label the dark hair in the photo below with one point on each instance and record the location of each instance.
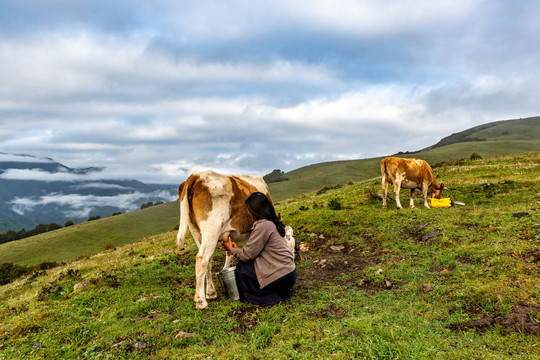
(260, 207)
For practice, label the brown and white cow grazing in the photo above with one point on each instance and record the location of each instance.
(212, 206)
(409, 174)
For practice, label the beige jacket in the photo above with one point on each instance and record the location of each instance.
(273, 258)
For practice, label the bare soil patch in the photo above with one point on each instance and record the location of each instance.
(246, 316)
(521, 319)
(329, 262)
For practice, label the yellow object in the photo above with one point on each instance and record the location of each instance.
(442, 203)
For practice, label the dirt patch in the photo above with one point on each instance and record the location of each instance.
(327, 266)
(330, 262)
(464, 260)
(532, 255)
(153, 315)
(417, 232)
(246, 316)
(340, 223)
(177, 259)
(334, 311)
(521, 319)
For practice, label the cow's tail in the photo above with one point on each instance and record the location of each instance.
(183, 197)
(383, 170)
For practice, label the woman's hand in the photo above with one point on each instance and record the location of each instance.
(228, 245)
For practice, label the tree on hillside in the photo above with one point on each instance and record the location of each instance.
(275, 176)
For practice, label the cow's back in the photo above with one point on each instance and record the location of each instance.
(221, 199)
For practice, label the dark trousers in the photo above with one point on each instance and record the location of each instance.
(250, 290)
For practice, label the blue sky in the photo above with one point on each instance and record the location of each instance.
(153, 90)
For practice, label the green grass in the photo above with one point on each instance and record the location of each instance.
(480, 260)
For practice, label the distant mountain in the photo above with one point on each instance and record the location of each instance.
(40, 190)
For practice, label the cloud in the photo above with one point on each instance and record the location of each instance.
(98, 185)
(23, 158)
(154, 90)
(81, 206)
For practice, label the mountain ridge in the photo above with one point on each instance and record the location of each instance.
(26, 202)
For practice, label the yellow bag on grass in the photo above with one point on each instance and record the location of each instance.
(441, 203)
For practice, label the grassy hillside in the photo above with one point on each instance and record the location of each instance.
(88, 238)
(455, 283)
(504, 138)
(499, 138)
(522, 129)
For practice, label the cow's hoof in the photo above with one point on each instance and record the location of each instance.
(212, 295)
(201, 304)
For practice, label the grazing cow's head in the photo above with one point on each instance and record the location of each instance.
(436, 191)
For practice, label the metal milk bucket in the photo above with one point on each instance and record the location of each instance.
(227, 277)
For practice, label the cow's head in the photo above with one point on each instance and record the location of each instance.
(436, 191)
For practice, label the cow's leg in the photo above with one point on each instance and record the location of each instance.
(384, 191)
(397, 186)
(424, 194)
(206, 249)
(412, 198)
(211, 292)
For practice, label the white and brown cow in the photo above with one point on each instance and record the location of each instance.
(212, 207)
(409, 174)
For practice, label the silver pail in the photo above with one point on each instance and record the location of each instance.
(227, 277)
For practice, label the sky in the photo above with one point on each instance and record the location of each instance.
(153, 90)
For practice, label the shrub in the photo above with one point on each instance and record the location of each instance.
(69, 223)
(476, 156)
(326, 188)
(109, 246)
(10, 272)
(335, 204)
(372, 193)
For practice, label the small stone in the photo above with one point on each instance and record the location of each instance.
(337, 248)
(139, 345)
(78, 286)
(379, 272)
(146, 298)
(427, 288)
(183, 334)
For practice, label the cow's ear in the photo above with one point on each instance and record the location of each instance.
(279, 216)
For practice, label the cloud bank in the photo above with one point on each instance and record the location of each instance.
(155, 90)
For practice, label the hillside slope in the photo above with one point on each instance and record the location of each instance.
(495, 139)
(461, 283)
(91, 237)
(522, 129)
